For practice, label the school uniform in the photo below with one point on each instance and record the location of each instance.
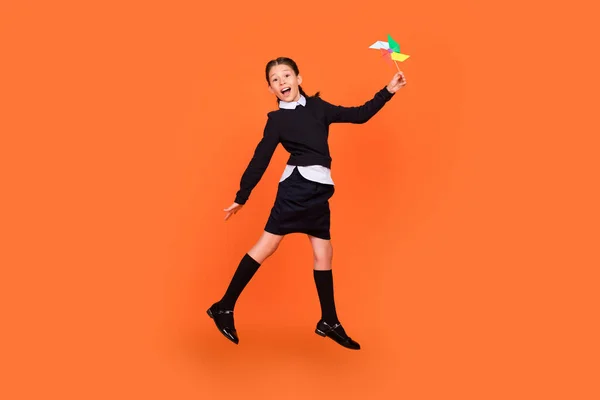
(305, 187)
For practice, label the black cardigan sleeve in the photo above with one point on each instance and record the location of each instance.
(357, 114)
(259, 162)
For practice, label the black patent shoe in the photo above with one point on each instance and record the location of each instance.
(337, 333)
(225, 327)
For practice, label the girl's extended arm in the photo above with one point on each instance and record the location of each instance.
(259, 162)
(363, 113)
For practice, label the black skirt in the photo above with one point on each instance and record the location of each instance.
(301, 206)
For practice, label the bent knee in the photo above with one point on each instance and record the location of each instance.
(264, 249)
(322, 259)
(271, 248)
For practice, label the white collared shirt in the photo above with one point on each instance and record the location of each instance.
(315, 173)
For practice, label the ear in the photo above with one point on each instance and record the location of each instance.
(271, 89)
(299, 79)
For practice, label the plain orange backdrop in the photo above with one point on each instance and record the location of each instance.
(465, 220)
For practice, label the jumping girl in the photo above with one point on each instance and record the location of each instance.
(301, 125)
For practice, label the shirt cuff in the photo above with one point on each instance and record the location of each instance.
(386, 93)
(240, 200)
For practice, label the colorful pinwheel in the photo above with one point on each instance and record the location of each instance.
(390, 50)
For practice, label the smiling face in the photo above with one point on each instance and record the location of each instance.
(283, 82)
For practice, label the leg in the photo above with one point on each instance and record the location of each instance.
(322, 253)
(329, 325)
(323, 275)
(264, 247)
(222, 311)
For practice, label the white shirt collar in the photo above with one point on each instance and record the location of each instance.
(290, 105)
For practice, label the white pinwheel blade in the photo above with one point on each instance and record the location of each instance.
(380, 45)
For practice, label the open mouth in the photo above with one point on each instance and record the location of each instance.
(286, 91)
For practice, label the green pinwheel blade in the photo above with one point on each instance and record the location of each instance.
(393, 44)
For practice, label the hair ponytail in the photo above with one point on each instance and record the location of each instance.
(303, 93)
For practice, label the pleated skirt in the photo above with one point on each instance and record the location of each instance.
(301, 206)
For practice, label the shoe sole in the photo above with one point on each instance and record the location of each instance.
(210, 314)
(321, 333)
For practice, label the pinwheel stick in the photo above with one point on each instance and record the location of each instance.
(395, 62)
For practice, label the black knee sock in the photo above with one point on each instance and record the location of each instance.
(324, 283)
(244, 272)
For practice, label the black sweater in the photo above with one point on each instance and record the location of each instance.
(303, 132)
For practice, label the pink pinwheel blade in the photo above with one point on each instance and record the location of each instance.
(385, 54)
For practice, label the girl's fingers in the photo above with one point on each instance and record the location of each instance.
(231, 207)
(231, 211)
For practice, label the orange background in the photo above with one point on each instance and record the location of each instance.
(465, 220)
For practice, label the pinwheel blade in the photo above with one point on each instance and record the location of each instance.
(399, 56)
(380, 45)
(393, 44)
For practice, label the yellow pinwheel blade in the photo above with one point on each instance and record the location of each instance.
(399, 56)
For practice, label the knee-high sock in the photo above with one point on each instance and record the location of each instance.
(243, 274)
(324, 283)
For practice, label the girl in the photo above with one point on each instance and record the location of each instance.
(301, 205)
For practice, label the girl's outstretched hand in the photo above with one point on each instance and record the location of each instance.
(232, 209)
(396, 83)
